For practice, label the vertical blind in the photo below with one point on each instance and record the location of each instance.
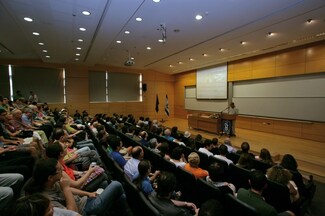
(4, 81)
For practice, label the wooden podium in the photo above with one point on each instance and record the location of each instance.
(205, 122)
(226, 116)
(227, 122)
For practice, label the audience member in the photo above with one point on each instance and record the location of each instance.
(163, 149)
(143, 182)
(215, 149)
(245, 149)
(178, 157)
(193, 166)
(223, 154)
(245, 161)
(167, 135)
(212, 207)
(116, 144)
(217, 178)
(131, 167)
(253, 196)
(265, 157)
(207, 147)
(166, 184)
(230, 148)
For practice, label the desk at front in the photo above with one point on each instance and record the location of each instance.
(205, 123)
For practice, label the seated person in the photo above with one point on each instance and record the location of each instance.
(207, 147)
(163, 149)
(143, 182)
(253, 196)
(162, 201)
(245, 149)
(245, 161)
(178, 157)
(283, 176)
(212, 207)
(265, 156)
(131, 167)
(38, 204)
(193, 166)
(223, 150)
(116, 144)
(80, 180)
(49, 181)
(217, 178)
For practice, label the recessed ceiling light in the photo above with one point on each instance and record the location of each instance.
(82, 29)
(47, 56)
(78, 48)
(45, 51)
(205, 55)
(160, 40)
(270, 34)
(156, 1)
(243, 42)
(80, 40)
(191, 59)
(221, 49)
(132, 58)
(127, 32)
(28, 19)
(118, 41)
(180, 62)
(35, 33)
(198, 17)
(77, 54)
(139, 19)
(41, 44)
(310, 21)
(76, 59)
(170, 65)
(86, 13)
(148, 48)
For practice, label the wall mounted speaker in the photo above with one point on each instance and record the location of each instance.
(144, 87)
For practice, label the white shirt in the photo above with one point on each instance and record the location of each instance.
(224, 159)
(233, 111)
(131, 168)
(205, 151)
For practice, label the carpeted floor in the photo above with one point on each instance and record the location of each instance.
(317, 207)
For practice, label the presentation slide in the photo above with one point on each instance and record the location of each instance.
(211, 83)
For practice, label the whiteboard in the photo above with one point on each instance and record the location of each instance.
(299, 97)
(211, 83)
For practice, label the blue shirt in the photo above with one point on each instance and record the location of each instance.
(146, 186)
(118, 158)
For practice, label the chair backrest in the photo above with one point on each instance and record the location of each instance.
(277, 195)
(234, 157)
(206, 191)
(222, 163)
(237, 207)
(238, 176)
(204, 160)
(138, 202)
(260, 165)
(186, 183)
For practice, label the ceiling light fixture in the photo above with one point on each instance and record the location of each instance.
(156, 1)
(221, 49)
(180, 62)
(198, 17)
(44, 51)
(76, 59)
(28, 19)
(78, 48)
(170, 65)
(41, 44)
(86, 13)
(191, 59)
(127, 32)
(205, 55)
(80, 40)
(310, 21)
(118, 41)
(148, 48)
(163, 30)
(243, 42)
(270, 34)
(139, 19)
(82, 29)
(47, 56)
(77, 54)
(35, 33)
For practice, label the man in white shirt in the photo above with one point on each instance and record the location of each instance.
(223, 152)
(131, 167)
(233, 111)
(207, 147)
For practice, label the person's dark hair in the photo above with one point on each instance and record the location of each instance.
(136, 152)
(198, 138)
(257, 180)
(215, 141)
(245, 161)
(223, 149)
(143, 168)
(211, 207)
(216, 172)
(207, 142)
(265, 156)
(57, 133)
(177, 153)
(54, 150)
(32, 205)
(42, 170)
(114, 142)
(245, 147)
(166, 184)
(163, 148)
(289, 162)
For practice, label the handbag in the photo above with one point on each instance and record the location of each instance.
(25, 134)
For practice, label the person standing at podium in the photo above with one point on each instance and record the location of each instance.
(233, 111)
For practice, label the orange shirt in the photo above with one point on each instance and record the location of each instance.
(197, 172)
(68, 170)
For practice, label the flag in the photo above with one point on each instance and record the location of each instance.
(157, 103)
(166, 106)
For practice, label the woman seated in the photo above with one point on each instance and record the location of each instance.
(265, 157)
(245, 161)
(193, 166)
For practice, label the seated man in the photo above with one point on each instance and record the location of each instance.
(47, 180)
(193, 166)
(131, 167)
(166, 184)
(207, 147)
(253, 196)
(116, 144)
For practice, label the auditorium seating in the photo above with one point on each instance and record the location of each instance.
(238, 176)
(186, 183)
(206, 191)
(236, 207)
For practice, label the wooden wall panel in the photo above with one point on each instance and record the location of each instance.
(314, 131)
(291, 63)
(243, 122)
(263, 125)
(263, 67)
(286, 128)
(315, 58)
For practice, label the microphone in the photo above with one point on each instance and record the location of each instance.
(225, 109)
